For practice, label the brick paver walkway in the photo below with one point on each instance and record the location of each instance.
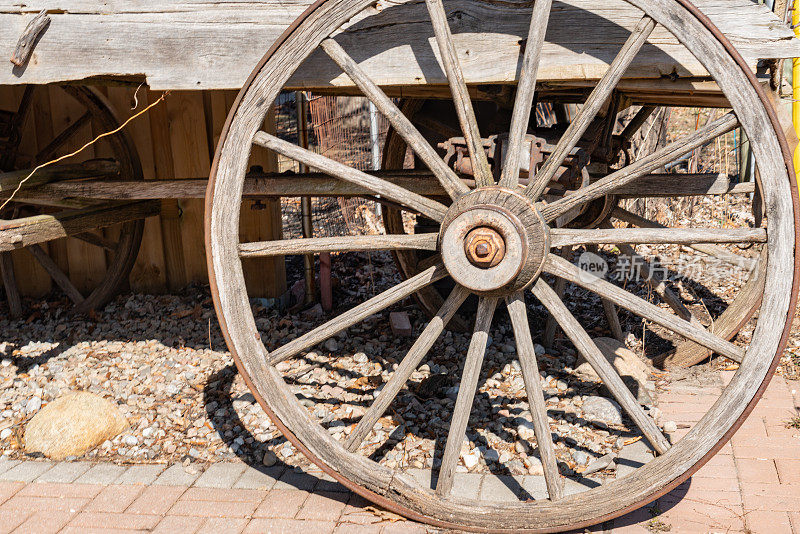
(752, 486)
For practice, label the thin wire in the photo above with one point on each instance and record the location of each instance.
(84, 147)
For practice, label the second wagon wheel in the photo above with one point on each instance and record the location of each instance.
(437, 121)
(99, 239)
(496, 242)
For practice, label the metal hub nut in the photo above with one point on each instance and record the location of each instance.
(485, 247)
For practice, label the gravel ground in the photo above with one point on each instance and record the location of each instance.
(163, 361)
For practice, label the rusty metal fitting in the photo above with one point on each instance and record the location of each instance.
(485, 248)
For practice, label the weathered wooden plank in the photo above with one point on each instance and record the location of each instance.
(190, 44)
(21, 233)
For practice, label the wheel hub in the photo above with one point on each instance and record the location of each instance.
(494, 241)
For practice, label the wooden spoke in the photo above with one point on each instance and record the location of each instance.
(604, 369)
(612, 316)
(55, 272)
(561, 237)
(551, 325)
(683, 185)
(525, 92)
(642, 167)
(287, 247)
(428, 207)
(47, 153)
(562, 268)
(656, 282)
(533, 388)
(461, 98)
(637, 122)
(466, 395)
(711, 250)
(10, 283)
(448, 178)
(409, 364)
(422, 120)
(592, 106)
(97, 240)
(358, 314)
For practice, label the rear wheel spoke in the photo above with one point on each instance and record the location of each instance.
(55, 272)
(62, 138)
(466, 395)
(604, 369)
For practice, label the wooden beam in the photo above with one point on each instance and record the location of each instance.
(21, 233)
(219, 43)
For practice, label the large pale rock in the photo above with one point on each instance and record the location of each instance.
(72, 425)
(626, 362)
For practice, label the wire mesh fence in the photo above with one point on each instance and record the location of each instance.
(347, 130)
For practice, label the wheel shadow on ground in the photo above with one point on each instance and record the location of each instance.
(221, 396)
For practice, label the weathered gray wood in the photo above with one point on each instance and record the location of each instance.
(533, 388)
(641, 167)
(192, 44)
(604, 369)
(657, 284)
(10, 181)
(426, 206)
(680, 185)
(637, 122)
(461, 97)
(27, 41)
(560, 267)
(97, 240)
(21, 233)
(410, 362)
(560, 287)
(711, 250)
(10, 284)
(403, 494)
(612, 316)
(561, 237)
(358, 314)
(447, 177)
(55, 272)
(597, 99)
(526, 89)
(50, 150)
(466, 395)
(318, 245)
(258, 185)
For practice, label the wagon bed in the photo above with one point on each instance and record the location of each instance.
(193, 44)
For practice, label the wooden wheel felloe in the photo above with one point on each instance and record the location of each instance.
(521, 213)
(104, 235)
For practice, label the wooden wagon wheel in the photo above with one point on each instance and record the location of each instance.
(473, 256)
(107, 232)
(439, 125)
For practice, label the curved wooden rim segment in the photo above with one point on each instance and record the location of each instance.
(560, 515)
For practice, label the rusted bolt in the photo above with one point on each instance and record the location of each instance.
(485, 248)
